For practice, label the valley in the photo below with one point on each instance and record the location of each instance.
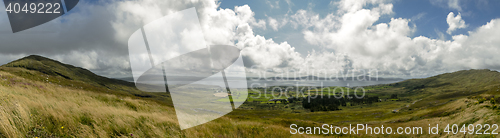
(41, 97)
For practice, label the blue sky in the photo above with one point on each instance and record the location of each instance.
(399, 38)
(475, 12)
(428, 17)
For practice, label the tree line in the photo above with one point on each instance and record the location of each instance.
(332, 103)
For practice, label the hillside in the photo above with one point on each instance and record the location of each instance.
(40, 97)
(462, 97)
(471, 80)
(450, 86)
(69, 72)
(43, 69)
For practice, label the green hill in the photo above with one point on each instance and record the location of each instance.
(40, 97)
(55, 68)
(462, 97)
(43, 69)
(460, 84)
(472, 80)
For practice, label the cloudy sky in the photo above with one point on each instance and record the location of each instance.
(399, 38)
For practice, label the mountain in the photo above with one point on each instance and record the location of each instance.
(127, 79)
(445, 88)
(55, 68)
(483, 80)
(39, 68)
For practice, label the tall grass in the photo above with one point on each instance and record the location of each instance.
(40, 107)
(37, 109)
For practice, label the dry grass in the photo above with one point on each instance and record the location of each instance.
(42, 109)
(467, 113)
(38, 109)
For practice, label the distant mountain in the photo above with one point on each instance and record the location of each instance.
(339, 78)
(127, 79)
(468, 80)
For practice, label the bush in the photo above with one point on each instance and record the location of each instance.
(481, 100)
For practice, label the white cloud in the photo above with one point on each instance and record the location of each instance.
(290, 4)
(231, 27)
(356, 5)
(389, 47)
(95, 36)
(265, 53)
(454, 22)
(276, 24)
(440, 34)
(451, 4)
(353, 38)
(454, 4)
(273, 5)
(418, 16)
(273, 23)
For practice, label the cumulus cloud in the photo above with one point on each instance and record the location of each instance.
(234, 27)
(389, 47)
(265, 53)
(94, 35)
(454, 22)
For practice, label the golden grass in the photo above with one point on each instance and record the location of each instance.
(39, 109)
(474, 112)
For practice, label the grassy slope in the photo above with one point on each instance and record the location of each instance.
(444, 99)
(32, 106)
(42, 69)
(38, 109)
(42, 97)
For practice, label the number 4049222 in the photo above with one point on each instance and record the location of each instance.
(472, 129)
(34, 8)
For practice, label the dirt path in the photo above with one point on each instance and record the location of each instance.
(397, 110)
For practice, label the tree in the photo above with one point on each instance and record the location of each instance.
(394, 96)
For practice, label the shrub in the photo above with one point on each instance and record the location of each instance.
(481, 100)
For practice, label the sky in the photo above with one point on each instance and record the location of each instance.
(397, 38)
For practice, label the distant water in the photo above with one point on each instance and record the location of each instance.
(315, 83)
(318, 83)
(239, 82)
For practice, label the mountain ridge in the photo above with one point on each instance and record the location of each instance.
(53, 67)
(56, 68)
(44, 69)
